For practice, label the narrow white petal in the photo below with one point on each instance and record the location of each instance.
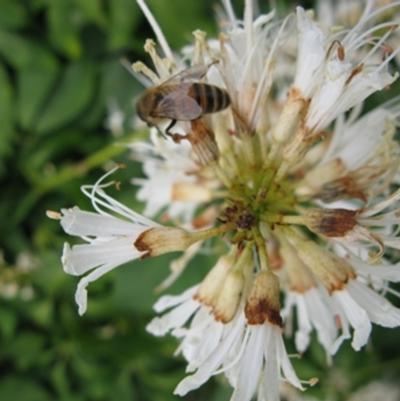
(357, 318)
(81, 292)
(177, 317)
(284, 362)
(169, 301)
(82, 223)
(250, 365)
(189, 383)
(310, 53)
(79, 259)
(271, 375)
(302, 338)
(379, 309)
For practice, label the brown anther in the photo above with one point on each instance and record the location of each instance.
(333, 222)
(263, 301)
(340, 50)
(353, 73)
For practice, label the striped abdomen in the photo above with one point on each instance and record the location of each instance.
(209, 97)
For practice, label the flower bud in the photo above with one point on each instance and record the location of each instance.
(263, 301)
(290, 117)
(333, 272)
(331, 222)
(211, 286)
(228, 300)
(159, 240)
(299, 275)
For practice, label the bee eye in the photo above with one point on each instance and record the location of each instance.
(158, 97)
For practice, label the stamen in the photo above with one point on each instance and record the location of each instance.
(248, 22)
(340, 50)
(51, 214)
(99, 198)
(231, 14)
(156, 29)
(367, 34)
(266, 73)
(387, 60)
(140, 69)
(382, 205)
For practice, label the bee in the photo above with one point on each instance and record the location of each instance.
(181, 98)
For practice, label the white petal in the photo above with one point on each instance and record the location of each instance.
(310, 54)
(82, 223)
(302, 338)
(81, 292)
(357, 318)
(250, 365)
(234, 334)
(284, 362)
(177, 317)
(271, 376)
(83, 257)
(168, 301)
(379, 309)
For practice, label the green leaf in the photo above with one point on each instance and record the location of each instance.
(6, 115)
(13, 15)
(64, 30)
(26, 349)
(124, 15)
(21, 389)
(8, 322)
(21, 52)
(123, 389)
(191, 15)
(34, 86)
(93, 11)
(71, 97)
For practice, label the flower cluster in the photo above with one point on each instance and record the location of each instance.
(293, 176)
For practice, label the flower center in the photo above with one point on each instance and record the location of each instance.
(254, 192)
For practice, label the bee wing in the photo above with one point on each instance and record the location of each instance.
(192, 73)
(178, 105)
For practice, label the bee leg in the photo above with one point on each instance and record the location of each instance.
(150, 125)
(170, 126)
(160, 132)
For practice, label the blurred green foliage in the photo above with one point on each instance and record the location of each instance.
(60, 74)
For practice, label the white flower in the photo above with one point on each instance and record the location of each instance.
(167, 166)
(294, 184)
(114, 235)
(109, 238)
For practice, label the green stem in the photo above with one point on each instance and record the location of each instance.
(71, 172)
(261, 247)
(211, 232)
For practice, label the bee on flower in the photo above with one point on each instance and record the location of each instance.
(280, 164)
